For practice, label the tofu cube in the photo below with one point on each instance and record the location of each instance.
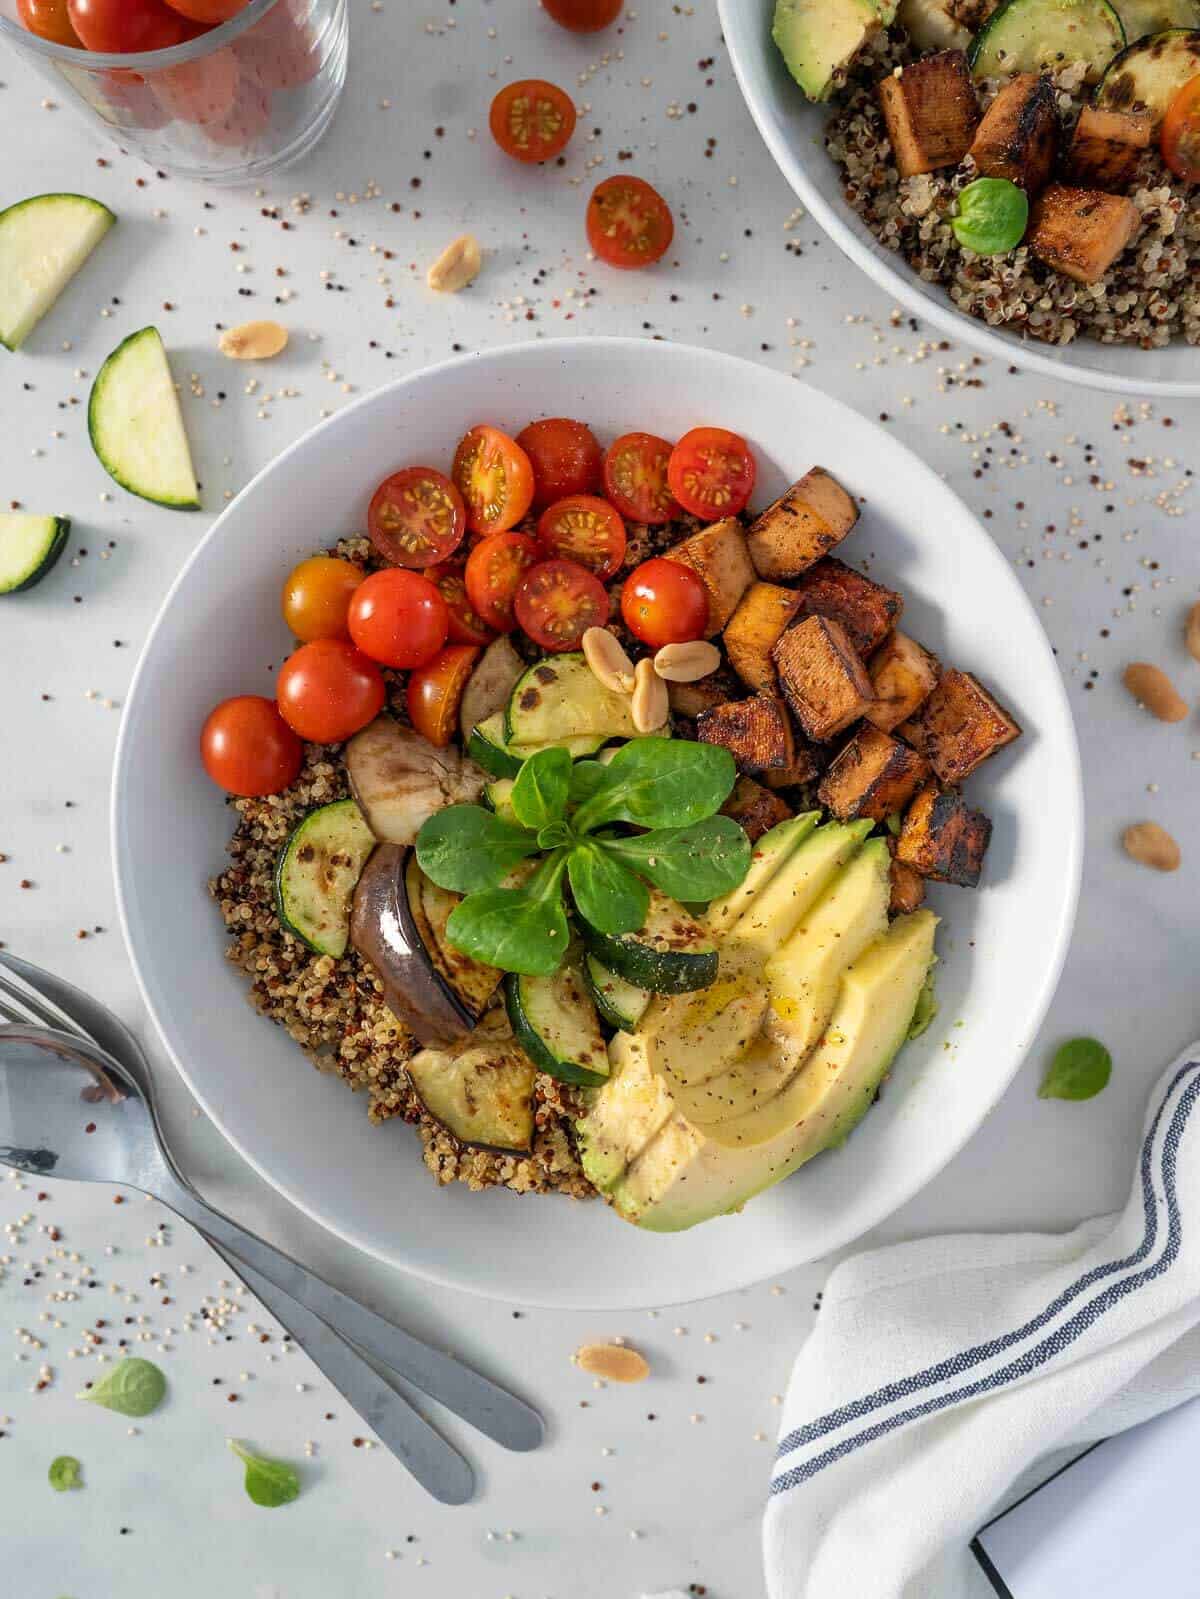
(1106, 148)
(931, 112)
(803, 525)
(755, 808)
(874, 775)
(693, 699)
(805, 768)
(1018, 136)
(943, 838)
(903, 675)
(757, 732)
(822, 677)
(908, 888)
(959, 726)
(1081, 232)
(867, 610)
(752, 631)
(719, 557)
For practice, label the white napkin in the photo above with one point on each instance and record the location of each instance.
(942, 1374)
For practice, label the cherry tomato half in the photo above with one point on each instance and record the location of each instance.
(466, 625)
(664, 602)
(209, 12)
(711, 472)
(435, 692)
(565, 456)
(495, 568)
(416, 517)
(558, 601)
(532, 120)
(49, 20)
(124, 26)
(1180, 137)
(327, 690)
(635, 478)
(584, 529)
(247, 747)
(317, 595)
(494, 477)
(629, 224)
(398, 618)
(584, 16)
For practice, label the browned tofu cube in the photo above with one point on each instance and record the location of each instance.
(908, 889)
(959, 726)
(1081, 232)
(1106, 148)
(903, 674)
(1018, 136)
(693, 699)
(803, 525)
(719, 557)
(805, 768)
(944, 838)
(874, 775)
(865, 609)
(753, 629)
(822, 677)
(755, 808)
(757, 732)
(931, 112)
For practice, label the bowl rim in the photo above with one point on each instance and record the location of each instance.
(940, 311)
(921, 1172)
(138, 61)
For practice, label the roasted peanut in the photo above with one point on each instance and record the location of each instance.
(253, 341)
(687, 663)
(458, 265)
(614, 1362)
(1192, 632)
(650, 707)
(1151, 845)
(606, 656)
(1151, 687)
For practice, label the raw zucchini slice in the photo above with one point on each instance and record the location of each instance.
(621, 1004)
(486, 747)
(136, 425)
(559, 697)
(554, 1021)
(482, 1096)
(497, 793)
(1149, 75)
(29, 547)
(670, 954)
(1044, 35)
(319, 868)
(43, 243)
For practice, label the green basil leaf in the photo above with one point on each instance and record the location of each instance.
(539, 795)
(607, 894)
(132, 1388)
(64, 1473)
(1079, 1070)
(518, 929)
(465, 848)
(269, 1483)
(699, 862)
(659, 782)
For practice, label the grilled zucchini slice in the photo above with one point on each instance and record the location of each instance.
(554, 1021)
(318, 871)
(670, 954)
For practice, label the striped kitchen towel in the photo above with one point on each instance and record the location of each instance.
(947, 1376)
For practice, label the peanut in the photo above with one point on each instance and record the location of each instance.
(606, 656)
(253, 341)
(1192, 632)
(616, 1362)
(687, 663)
(650, 707)
(1151, 687)
(1151, 845)
(458, 265)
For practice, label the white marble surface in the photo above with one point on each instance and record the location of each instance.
(1104, 541)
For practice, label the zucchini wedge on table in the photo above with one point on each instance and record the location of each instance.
(554, 1021)
(136, 425)
(29, 547)
(318, 871)
(670, 954)
(43, 243)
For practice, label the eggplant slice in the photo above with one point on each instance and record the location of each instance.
(400, 779)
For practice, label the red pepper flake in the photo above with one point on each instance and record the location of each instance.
(232, 1398)
(42, 1198)
(90, 1128)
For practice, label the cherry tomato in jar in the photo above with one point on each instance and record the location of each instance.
(317, 595)
(1180, 137)
(532, 120)
(565, 456)
(664, 602)
(327, 690)
(635, 478)
(435, 692)
(495, 478)
(629, 224)
(398, 618)
(49, 20)
(711, 473)
(584, 529)
(558, 601)
(416, 517)
(583, 16)
(121, 27)
(209, 12)
(247, 747)
(466, 625)
(495, 568)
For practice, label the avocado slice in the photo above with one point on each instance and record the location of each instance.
(774, 914)
(624, 1115)
(770, 853)
(820, 38)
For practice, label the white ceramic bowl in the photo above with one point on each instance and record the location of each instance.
(1001, 947)
(794, 131)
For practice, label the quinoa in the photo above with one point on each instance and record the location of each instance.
(1148, 297)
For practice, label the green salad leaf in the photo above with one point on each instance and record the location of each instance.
(539, 795)
(64, 1473)
(608, 895)
(269, 1483)
(699, 862)
(518, 929)
(659, 782)
(1079, 1069)
(466, 848)
(133, 1388)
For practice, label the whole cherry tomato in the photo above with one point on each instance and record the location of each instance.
(495, 568)
(629, 224)
(209, 12)
(556, 603)
(532, 120)
(585, 529)
(495, 478)
(1180, 137)
(664, 602)
(635, 478)
(711, 472)
(398, 618)
(435, 692)
(416, 517)
(49, 20)
(466, 625)
(584, 16)
(565, 456)
(317, 595)
(327, 690)
(247, 747)
(121, 27)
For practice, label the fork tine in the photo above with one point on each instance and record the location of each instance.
(36, 1008)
